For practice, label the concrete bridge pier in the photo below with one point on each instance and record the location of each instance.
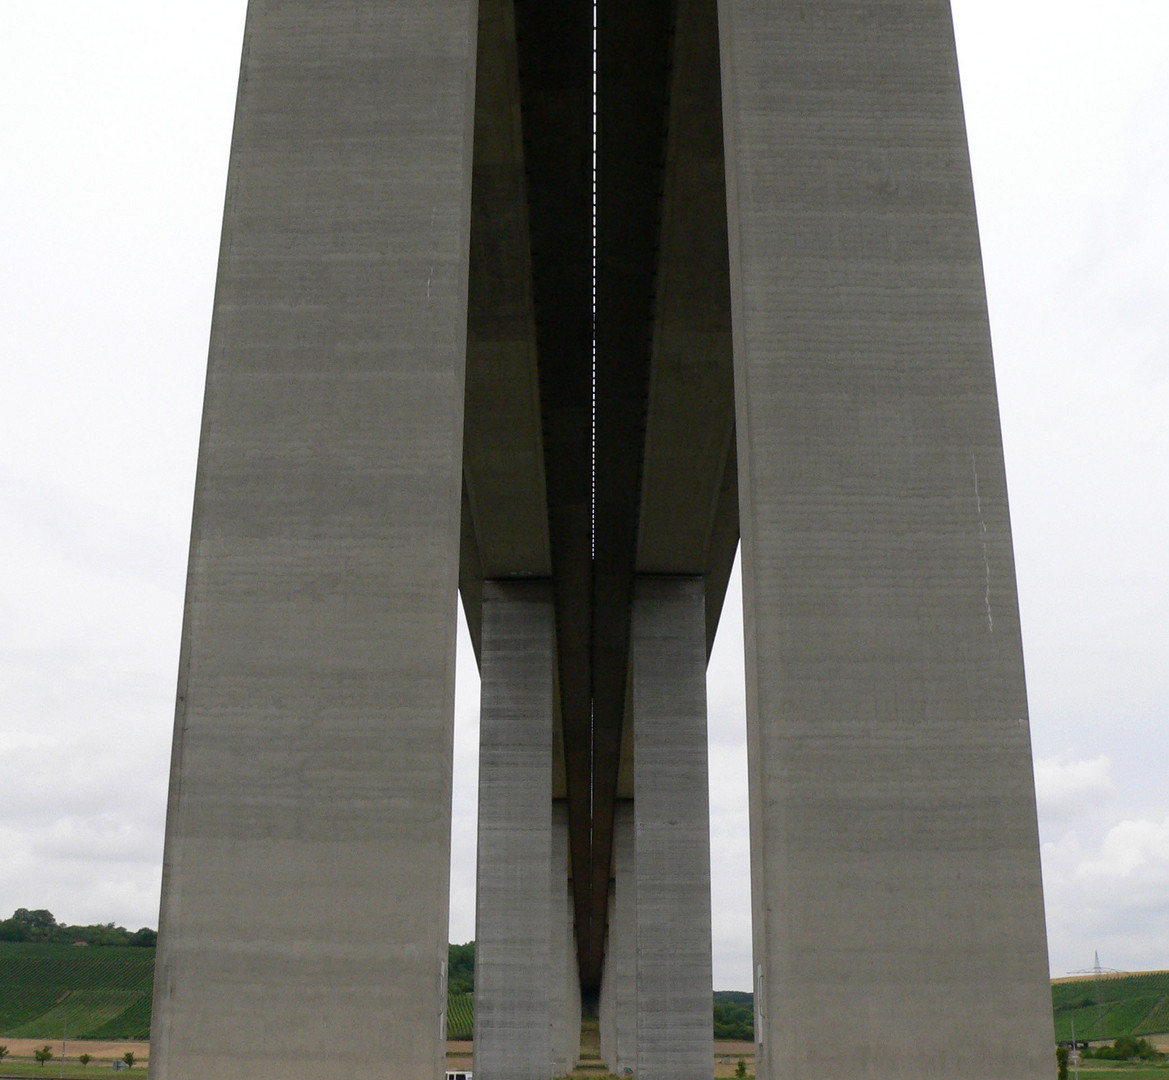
(514, 949)
(895, 876)
(672, 830)
(618, 1003)
(563, 972)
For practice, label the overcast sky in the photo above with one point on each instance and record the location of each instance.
(114, 130)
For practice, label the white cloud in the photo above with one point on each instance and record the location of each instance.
(1065, 788)
(1109, 895)
(107, 837)
(1137, 851)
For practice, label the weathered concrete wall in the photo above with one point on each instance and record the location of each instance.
(513, 901)
(672, 830)
(895, 870)
(305, 884)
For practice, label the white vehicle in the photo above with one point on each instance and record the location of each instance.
(459, 1075)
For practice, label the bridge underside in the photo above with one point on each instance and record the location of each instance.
(591, 473)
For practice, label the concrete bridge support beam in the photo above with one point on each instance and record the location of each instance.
(672, 830)
(563, 974)
(618, 1004)
(306, 870)
(895, 881)
(514, 962)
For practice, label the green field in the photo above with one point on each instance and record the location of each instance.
(104, 992)
(460, 1015)
(72, 1071)
(89, 993)
(1105, 1008)
(101, 992)
(1121, 1070)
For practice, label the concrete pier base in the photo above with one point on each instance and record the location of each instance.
(514, 973)
(672, 830)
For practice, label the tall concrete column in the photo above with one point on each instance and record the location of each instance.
(618, 1004)
(513, 902)
(306, 871)
(672, 830)
(606, 1000)
(895, 870)
(564, 978)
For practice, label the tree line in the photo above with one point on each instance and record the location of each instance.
(1126, 1048)
(41, 926)
(460, 974)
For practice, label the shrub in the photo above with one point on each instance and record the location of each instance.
(1126, 1048)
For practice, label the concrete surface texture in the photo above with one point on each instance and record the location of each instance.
(563, 974)
(895, 879)
(420, 378)
(305, 882)
(618, 998)
(513, 925)
(671, 831)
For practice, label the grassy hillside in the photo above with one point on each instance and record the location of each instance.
(104, 992)
(1102, 1010)
(91, 993)
(1109, 1006)
(460, 1016)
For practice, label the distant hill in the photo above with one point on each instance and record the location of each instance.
(104, 992)
(734, 1015)
(1105, 1007)
(1102, 1008)
(94, 992)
